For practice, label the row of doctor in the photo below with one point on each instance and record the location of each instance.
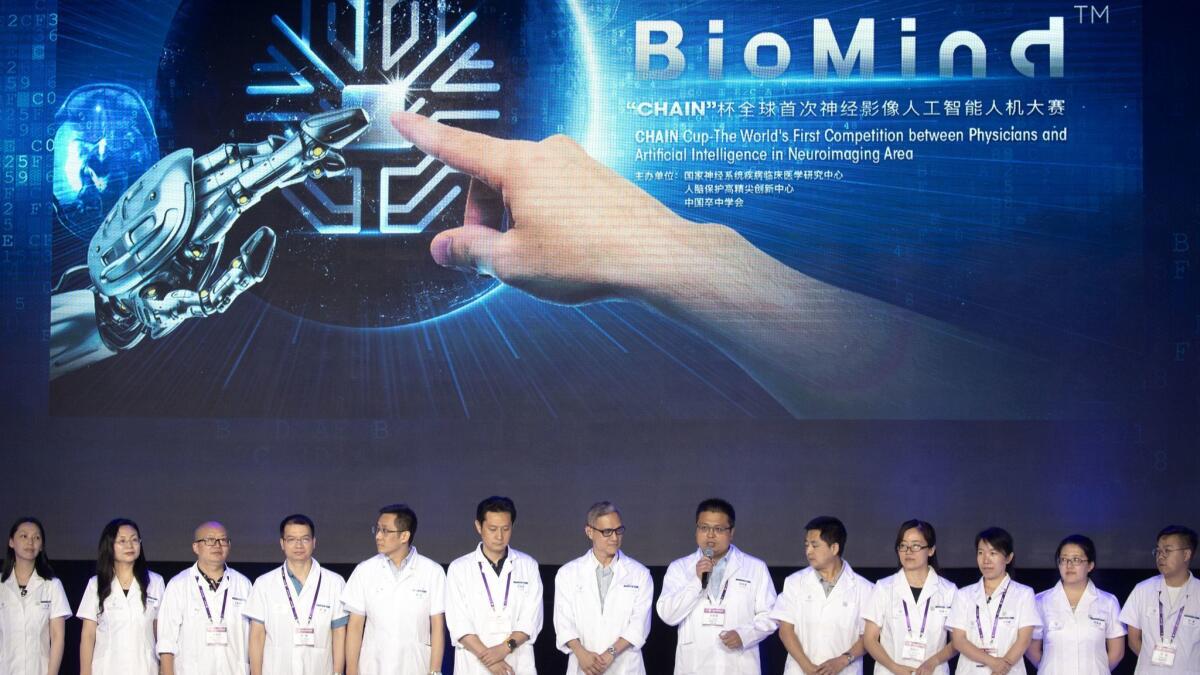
(388, 618)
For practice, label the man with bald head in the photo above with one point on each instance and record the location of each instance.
(200, 625)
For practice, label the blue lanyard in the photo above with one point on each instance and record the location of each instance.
(287, 589)
(225, 601)
(995, 621)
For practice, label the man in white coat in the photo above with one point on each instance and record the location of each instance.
(397, 603)
(820, 611)
(201, 630)
(297, 623)
(494, 599)
(1163, 612)
(602, 602)
(719, 597)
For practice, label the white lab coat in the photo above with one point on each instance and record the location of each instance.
(125, 631)
(826, 626)
(1141, 612)
(748, 600)
(269, 605)
(1019, 611)
(626, 611)
(1074, 641)
(396, 638)
(25, 623)
(886, 610)
(183, 623)
(468, 611)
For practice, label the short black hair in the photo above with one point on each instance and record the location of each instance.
(719, 506)
(926, 530)
(998, 537)
(297, 519)
(832, 532)
(495, 504)
(1187, 533)
(406, 518)
(1083, 542)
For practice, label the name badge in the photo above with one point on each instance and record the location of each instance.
(216, 635)
(913, 650)
(713, 616)
(305, 637)
(498, 624)
(1163, 655)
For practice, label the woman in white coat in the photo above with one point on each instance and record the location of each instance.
(1081, 631)
(120, 607)
(994, 618)
(33, 605)
(905, 628)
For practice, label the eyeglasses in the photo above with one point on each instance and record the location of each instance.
(911, 548)
(375, 529)
(1166, 551)
(609, 531)
(292, 541)
(713, 529)
(213, 542)
(132, 541)
(1073, 562)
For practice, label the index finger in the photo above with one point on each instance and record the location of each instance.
(477, 154)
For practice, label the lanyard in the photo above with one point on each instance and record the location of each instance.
(287, 589)
(925, 618)
(995, 621)
(1178, 618)
(724, 590)
(486, 587)
(208, 611)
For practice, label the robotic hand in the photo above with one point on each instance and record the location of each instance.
(153, 260)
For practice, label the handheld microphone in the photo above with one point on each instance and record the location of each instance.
(708, 553)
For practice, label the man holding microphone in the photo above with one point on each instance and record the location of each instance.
(719, 597)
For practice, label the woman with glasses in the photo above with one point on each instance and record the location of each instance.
(33, 606)
(120, 607)
(1081, 633)
(993, 619)
(906, 618)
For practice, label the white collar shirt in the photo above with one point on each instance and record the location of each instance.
(398, 604)
(1074, 641)
(186, 623)
(1012, 608)
(625, 613)
(320, 597)
(886, 610)
(1141, 611)
(743, 604)
(125, 629)
(25, 623)
(826, 625)
(492, 606)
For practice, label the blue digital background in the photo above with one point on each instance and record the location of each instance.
(1049, 249)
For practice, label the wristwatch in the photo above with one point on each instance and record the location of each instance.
(511, 644)
(612, 651)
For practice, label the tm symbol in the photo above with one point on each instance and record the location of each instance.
(1092, 13)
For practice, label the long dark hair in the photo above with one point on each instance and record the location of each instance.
(926, 531)
(106, 565)
(41, 564)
